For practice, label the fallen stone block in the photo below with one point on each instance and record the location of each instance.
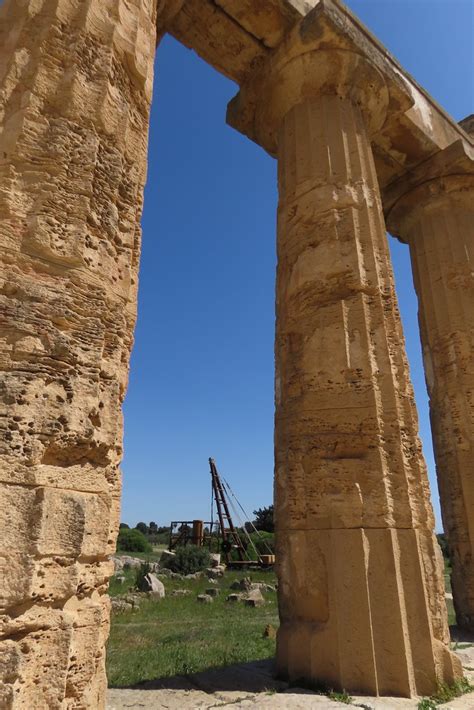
(254, 598)
(216, 572)
(204, 598)
(234, 598)
(153, 585)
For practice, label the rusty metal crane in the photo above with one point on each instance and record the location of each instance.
(235, 540)
(231, 539)
(236, 545)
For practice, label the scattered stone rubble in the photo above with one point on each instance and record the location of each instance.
(128, 602)
(123, 562)
(153, 586)
(247, 585)
(254, 598)
(251, 596)
(205, 598)
(215, 572)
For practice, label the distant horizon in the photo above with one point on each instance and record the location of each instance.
(205, 518)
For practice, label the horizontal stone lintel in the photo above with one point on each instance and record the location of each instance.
(241, 37)
(455, 162)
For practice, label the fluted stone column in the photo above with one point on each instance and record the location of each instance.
(361, 593)
(358, 559)
(436, 218)
(75, 91)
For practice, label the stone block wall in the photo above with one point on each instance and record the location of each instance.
(75, 90)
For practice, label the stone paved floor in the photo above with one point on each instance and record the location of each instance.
(251, 685)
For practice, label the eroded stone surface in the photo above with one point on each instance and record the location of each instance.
(436, 218)
(359, 568)
(361, 579)
(415, 128)
(75, 90)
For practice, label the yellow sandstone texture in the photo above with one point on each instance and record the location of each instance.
(75, 91)
(441, 239)
(361, 583)
(361, 587)
(435, 215)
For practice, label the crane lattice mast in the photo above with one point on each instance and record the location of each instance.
(230, 537)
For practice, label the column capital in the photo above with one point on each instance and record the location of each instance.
(447, 176)
(323, 54)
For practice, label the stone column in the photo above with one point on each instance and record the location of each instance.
(75, 92)
(436, 218)
(358, 559)
(361, 593)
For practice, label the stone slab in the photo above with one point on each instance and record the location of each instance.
(250, 685)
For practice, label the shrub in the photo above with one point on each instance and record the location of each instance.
(264, 542)
(445, 693)
(189, 559)
(426, 704)
(132, 541)
(159, 538)
(142, 527)
(443, 543)
(264, 519)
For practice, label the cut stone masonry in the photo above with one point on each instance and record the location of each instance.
(361, 584)
(433, 210)
(358, 563)
(75, 92)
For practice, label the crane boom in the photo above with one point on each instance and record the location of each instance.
(230, 537)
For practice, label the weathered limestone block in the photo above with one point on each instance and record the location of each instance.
(360, 579)
(75, 92)
(435, 215)
(56, 657)
(351, 485)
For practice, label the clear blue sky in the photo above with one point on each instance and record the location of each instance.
(201, 380)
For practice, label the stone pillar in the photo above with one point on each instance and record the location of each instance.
(361, 592)
(75, 92)
(357, 556)
(436, 218)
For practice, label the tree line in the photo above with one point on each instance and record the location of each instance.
(143, 536)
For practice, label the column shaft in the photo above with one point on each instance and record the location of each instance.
(441, 238)
(361, 586)
(75, 91)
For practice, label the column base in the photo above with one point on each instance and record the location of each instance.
(355, 615)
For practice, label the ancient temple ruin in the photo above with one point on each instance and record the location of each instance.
(361, 148)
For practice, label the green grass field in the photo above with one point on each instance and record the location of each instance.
(178, 635)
